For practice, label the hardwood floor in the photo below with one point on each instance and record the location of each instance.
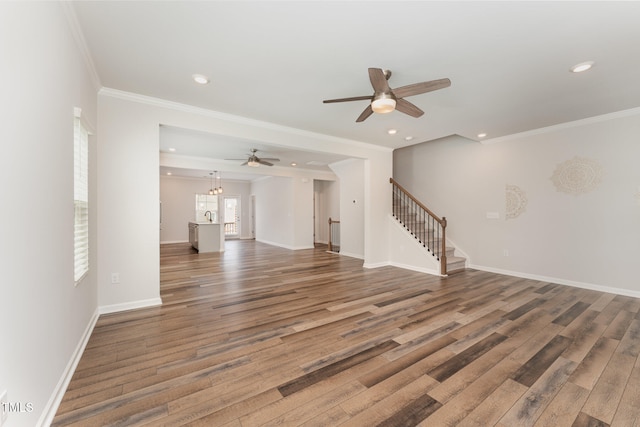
(265, 336)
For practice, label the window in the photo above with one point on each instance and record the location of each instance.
(80, 198)
(206, 203)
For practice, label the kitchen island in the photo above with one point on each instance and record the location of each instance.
(206, 236)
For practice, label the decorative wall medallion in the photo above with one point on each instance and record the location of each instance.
(516, 200)
(577, 176)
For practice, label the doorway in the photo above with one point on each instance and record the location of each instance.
(231, 206)
(253, 216)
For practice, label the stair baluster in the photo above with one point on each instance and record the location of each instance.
(423, 224)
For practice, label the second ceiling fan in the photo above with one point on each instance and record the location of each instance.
(254, 161)
(385, 99)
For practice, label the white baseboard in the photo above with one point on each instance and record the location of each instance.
(54, 401)
(352, 255)
(415, 268)
(280, 245)
(165, 242)
(153, 302)
(375, 264)
(590, 286)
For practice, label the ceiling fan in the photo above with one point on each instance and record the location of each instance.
(385, 99)
(255, 161)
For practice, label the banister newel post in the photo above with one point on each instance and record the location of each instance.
(443, 257)
(329, 245)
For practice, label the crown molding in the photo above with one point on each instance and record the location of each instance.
(78, 36)
(567, 125)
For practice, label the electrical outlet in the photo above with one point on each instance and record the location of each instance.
(4, 408)
(505, 252)
(115, 278)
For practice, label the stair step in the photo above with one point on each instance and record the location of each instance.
(455, 263)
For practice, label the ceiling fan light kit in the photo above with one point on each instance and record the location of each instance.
(383, 104)
(254, 161)
(385, 100)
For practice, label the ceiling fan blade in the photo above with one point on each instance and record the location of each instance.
(366, 113)
(270, 159)
(263, 162)
(406, 107)
(378, 80)
(243, 164)
(418, 88)
(353, 98)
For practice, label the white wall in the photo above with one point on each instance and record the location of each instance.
(44, 318)
(302, 213)
(377, 207)
(178, 205)
(352, 206)
(128, 206)
(274, 210)
(284, 211)
(589, 239)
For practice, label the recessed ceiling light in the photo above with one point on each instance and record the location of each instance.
(172, 149)
(583, 66)
(200, 79)
(392, 131)
(408, 138)
(294, 164)
(168, 173)
(482, 135)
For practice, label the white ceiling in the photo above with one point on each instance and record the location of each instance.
(276, 61)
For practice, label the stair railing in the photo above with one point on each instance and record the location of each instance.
(423, 224)
(334, 235)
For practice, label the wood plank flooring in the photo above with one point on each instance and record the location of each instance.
(263, 336)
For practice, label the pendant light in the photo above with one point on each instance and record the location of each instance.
(212, 191)
(220, 183)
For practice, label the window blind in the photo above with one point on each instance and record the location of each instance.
(80, 198)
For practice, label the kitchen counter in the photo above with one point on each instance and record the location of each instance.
(206, 236)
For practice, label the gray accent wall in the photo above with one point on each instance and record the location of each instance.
(559, 204)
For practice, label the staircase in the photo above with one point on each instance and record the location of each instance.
(455, 264)
(427, 228)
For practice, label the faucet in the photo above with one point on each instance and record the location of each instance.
(210, 214)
